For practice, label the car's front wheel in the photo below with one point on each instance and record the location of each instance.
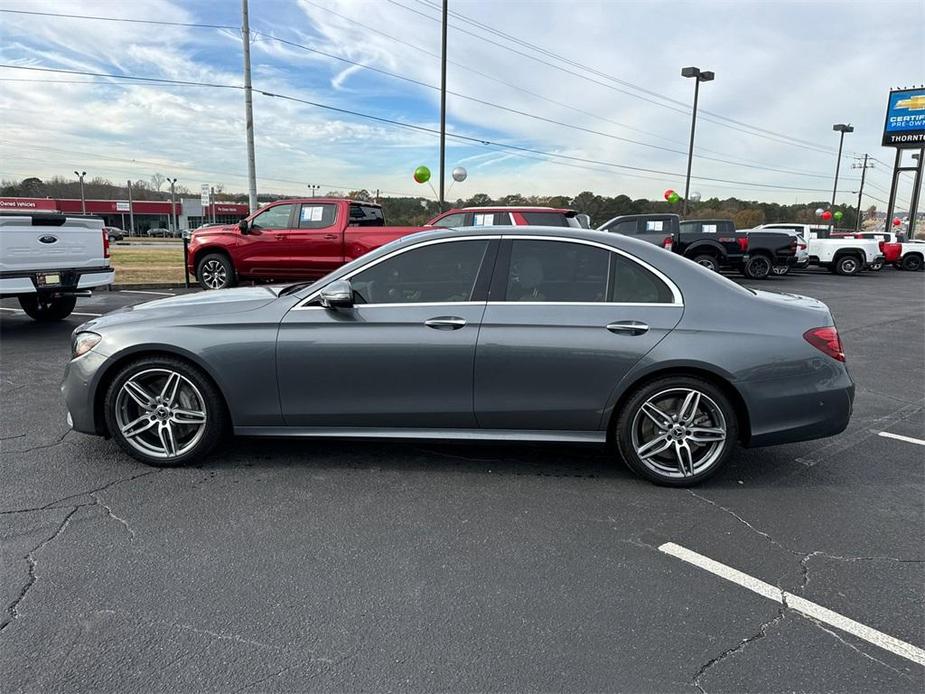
(164, 412)
(676, 431)
(48, 308)
(215, 271)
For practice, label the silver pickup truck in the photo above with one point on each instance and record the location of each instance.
(47, 260)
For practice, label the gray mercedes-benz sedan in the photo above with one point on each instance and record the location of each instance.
(534, 334)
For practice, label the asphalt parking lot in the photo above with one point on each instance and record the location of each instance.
(280, 566)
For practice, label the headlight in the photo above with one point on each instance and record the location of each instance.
(83, 343)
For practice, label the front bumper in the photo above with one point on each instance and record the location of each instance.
(79, 388)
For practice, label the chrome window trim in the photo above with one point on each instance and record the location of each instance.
(301, 306)
(678, 299)
(579, 303)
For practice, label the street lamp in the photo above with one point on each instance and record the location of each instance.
(313, 188)
(699, 76)
(173, 208)
(840, 128)
(83, 200)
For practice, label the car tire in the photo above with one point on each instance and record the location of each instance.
(757, 268)
(780, 270)
(848, 265)
(876, 267)
(48, 308)
(912, 263)
(164, 412)
(215, 271)
(708, 260)
(678, 459)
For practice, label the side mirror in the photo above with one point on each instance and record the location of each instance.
(243, 226)
(338, 294)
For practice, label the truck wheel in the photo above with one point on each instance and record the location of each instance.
(876, 267)
(780, 270)
(215, 271)
(912, 263)
(848, 265)
(758, 267)
(48, 308)
(708, 261)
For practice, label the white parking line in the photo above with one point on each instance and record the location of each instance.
(74, 313)
(795, 602)
(12, 310)
(139, 291)
(900, 437)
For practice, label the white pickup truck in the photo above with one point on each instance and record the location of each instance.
(47, 260)
(843, 256)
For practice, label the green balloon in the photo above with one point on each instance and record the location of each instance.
(838, 215)
(422, 174)
(673, 198)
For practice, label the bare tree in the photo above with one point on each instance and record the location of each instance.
(157, 180)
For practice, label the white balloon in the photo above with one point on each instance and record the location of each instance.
(460, 174)
(819, 211)
(695, 197)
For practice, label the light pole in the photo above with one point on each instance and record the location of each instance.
(699, 76)
(83, 200)
(313, 187)
(443, 102)
(173, 208)
(840, 128)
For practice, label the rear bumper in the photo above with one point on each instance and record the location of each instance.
(877, 259)
(791, 410)
(71, 280)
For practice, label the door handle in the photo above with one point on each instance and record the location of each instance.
(330, 236)
(280, 237)
(445, 323)
(628, 327)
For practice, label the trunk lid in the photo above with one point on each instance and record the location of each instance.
(38, 241)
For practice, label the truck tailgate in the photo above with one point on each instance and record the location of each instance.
(50, 242)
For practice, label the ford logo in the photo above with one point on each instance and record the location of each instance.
(48, 238)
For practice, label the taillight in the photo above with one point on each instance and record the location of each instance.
(668, 242)
(826, 340)
(106, 253)
(801, 246)
(881, 246)
(743, 243)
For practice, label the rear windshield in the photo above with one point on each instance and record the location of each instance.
(366, 216)
(545, 219)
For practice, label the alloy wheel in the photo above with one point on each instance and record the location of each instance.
(161, 413)
(679, 432)
(214, 274)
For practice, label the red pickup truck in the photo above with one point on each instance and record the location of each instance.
(309, 237)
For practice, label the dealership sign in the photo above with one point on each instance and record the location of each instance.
(905, 119)
(28, 204)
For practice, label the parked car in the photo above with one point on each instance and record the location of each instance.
(47, 260)
(158, 232)
(890, 247)
(539, 334)
(114, 234)
(307, 238)
(839, 255)
(712, 243)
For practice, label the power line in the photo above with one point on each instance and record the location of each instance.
(122, 77)
(122, 19)
(419, 128)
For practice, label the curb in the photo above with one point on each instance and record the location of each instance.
(151, 285)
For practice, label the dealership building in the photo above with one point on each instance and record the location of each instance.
(143, 214)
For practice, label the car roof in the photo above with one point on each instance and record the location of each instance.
(511, 208)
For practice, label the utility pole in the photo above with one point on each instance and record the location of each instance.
(863, 167)
(443, 104)
(249, 110)
(131, 209)
(83, 199)
(173, 208)
(840, 128)
(699, 76)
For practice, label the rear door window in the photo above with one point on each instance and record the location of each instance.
(317, 215)
(557, 271)
(631, 283)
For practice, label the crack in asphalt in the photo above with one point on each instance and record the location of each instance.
(738, 648)
(41, 447)
(850, 645)
(128, 528)
(89, 492)
(13, 607)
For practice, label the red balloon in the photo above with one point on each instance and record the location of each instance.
(668, 193)
(897, 221)
(827, 215)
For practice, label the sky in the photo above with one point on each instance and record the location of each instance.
(555, 97)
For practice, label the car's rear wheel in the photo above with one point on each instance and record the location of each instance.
(48, 308)
(758, 267)
(676, 431)
(848, 265)
(164, 412)
(912, 262)
(708, 260)
(215, 271)
(876, 267)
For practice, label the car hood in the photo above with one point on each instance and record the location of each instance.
(210, 303)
